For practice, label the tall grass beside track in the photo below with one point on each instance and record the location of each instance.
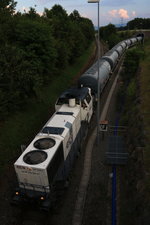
(21, 127)
(135, 95)
(145, 103)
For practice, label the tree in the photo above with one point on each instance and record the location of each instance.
(75, 16)
(131, 63)
(109, 34)
(82, 33)
(10, 73)
(107, 30)
(56, 12)
(32, 14)
(37, 42)
(113, 39)
(7, 7)
(33, 48)
(139, 23)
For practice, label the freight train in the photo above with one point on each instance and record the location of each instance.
(51, 154)
(107, 64)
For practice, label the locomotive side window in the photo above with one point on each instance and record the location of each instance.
(77, 101)
(83, 104)
(88, 98)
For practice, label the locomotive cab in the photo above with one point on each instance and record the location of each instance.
(83, 99)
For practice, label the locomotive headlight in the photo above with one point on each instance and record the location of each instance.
(41, 198)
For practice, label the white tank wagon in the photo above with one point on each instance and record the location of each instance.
(119, 48)
(90, 77)
(50, 156)
(111, 57)
(107, 64)
(123, 44)
(133, 41)
(139, 39)
(128, 42)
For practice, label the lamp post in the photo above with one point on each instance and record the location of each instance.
(98, 78)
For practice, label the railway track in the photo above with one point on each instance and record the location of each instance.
(83, 187)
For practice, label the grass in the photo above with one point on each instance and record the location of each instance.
(136, 175)
(145, 100)
(145, 111)
(21, 127)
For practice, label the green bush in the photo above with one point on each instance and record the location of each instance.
(131, 63)
(34, 49)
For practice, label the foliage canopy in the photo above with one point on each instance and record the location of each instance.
(34, 48)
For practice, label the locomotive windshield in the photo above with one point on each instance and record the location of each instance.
(62, 101)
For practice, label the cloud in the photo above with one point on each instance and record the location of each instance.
(123, 13)
(113, 12)
(133, 13)
(119, 13)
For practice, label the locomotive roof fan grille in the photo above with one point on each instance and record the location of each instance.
(44, 143)
(35, 157)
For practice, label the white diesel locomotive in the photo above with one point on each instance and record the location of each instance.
(49, 157)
